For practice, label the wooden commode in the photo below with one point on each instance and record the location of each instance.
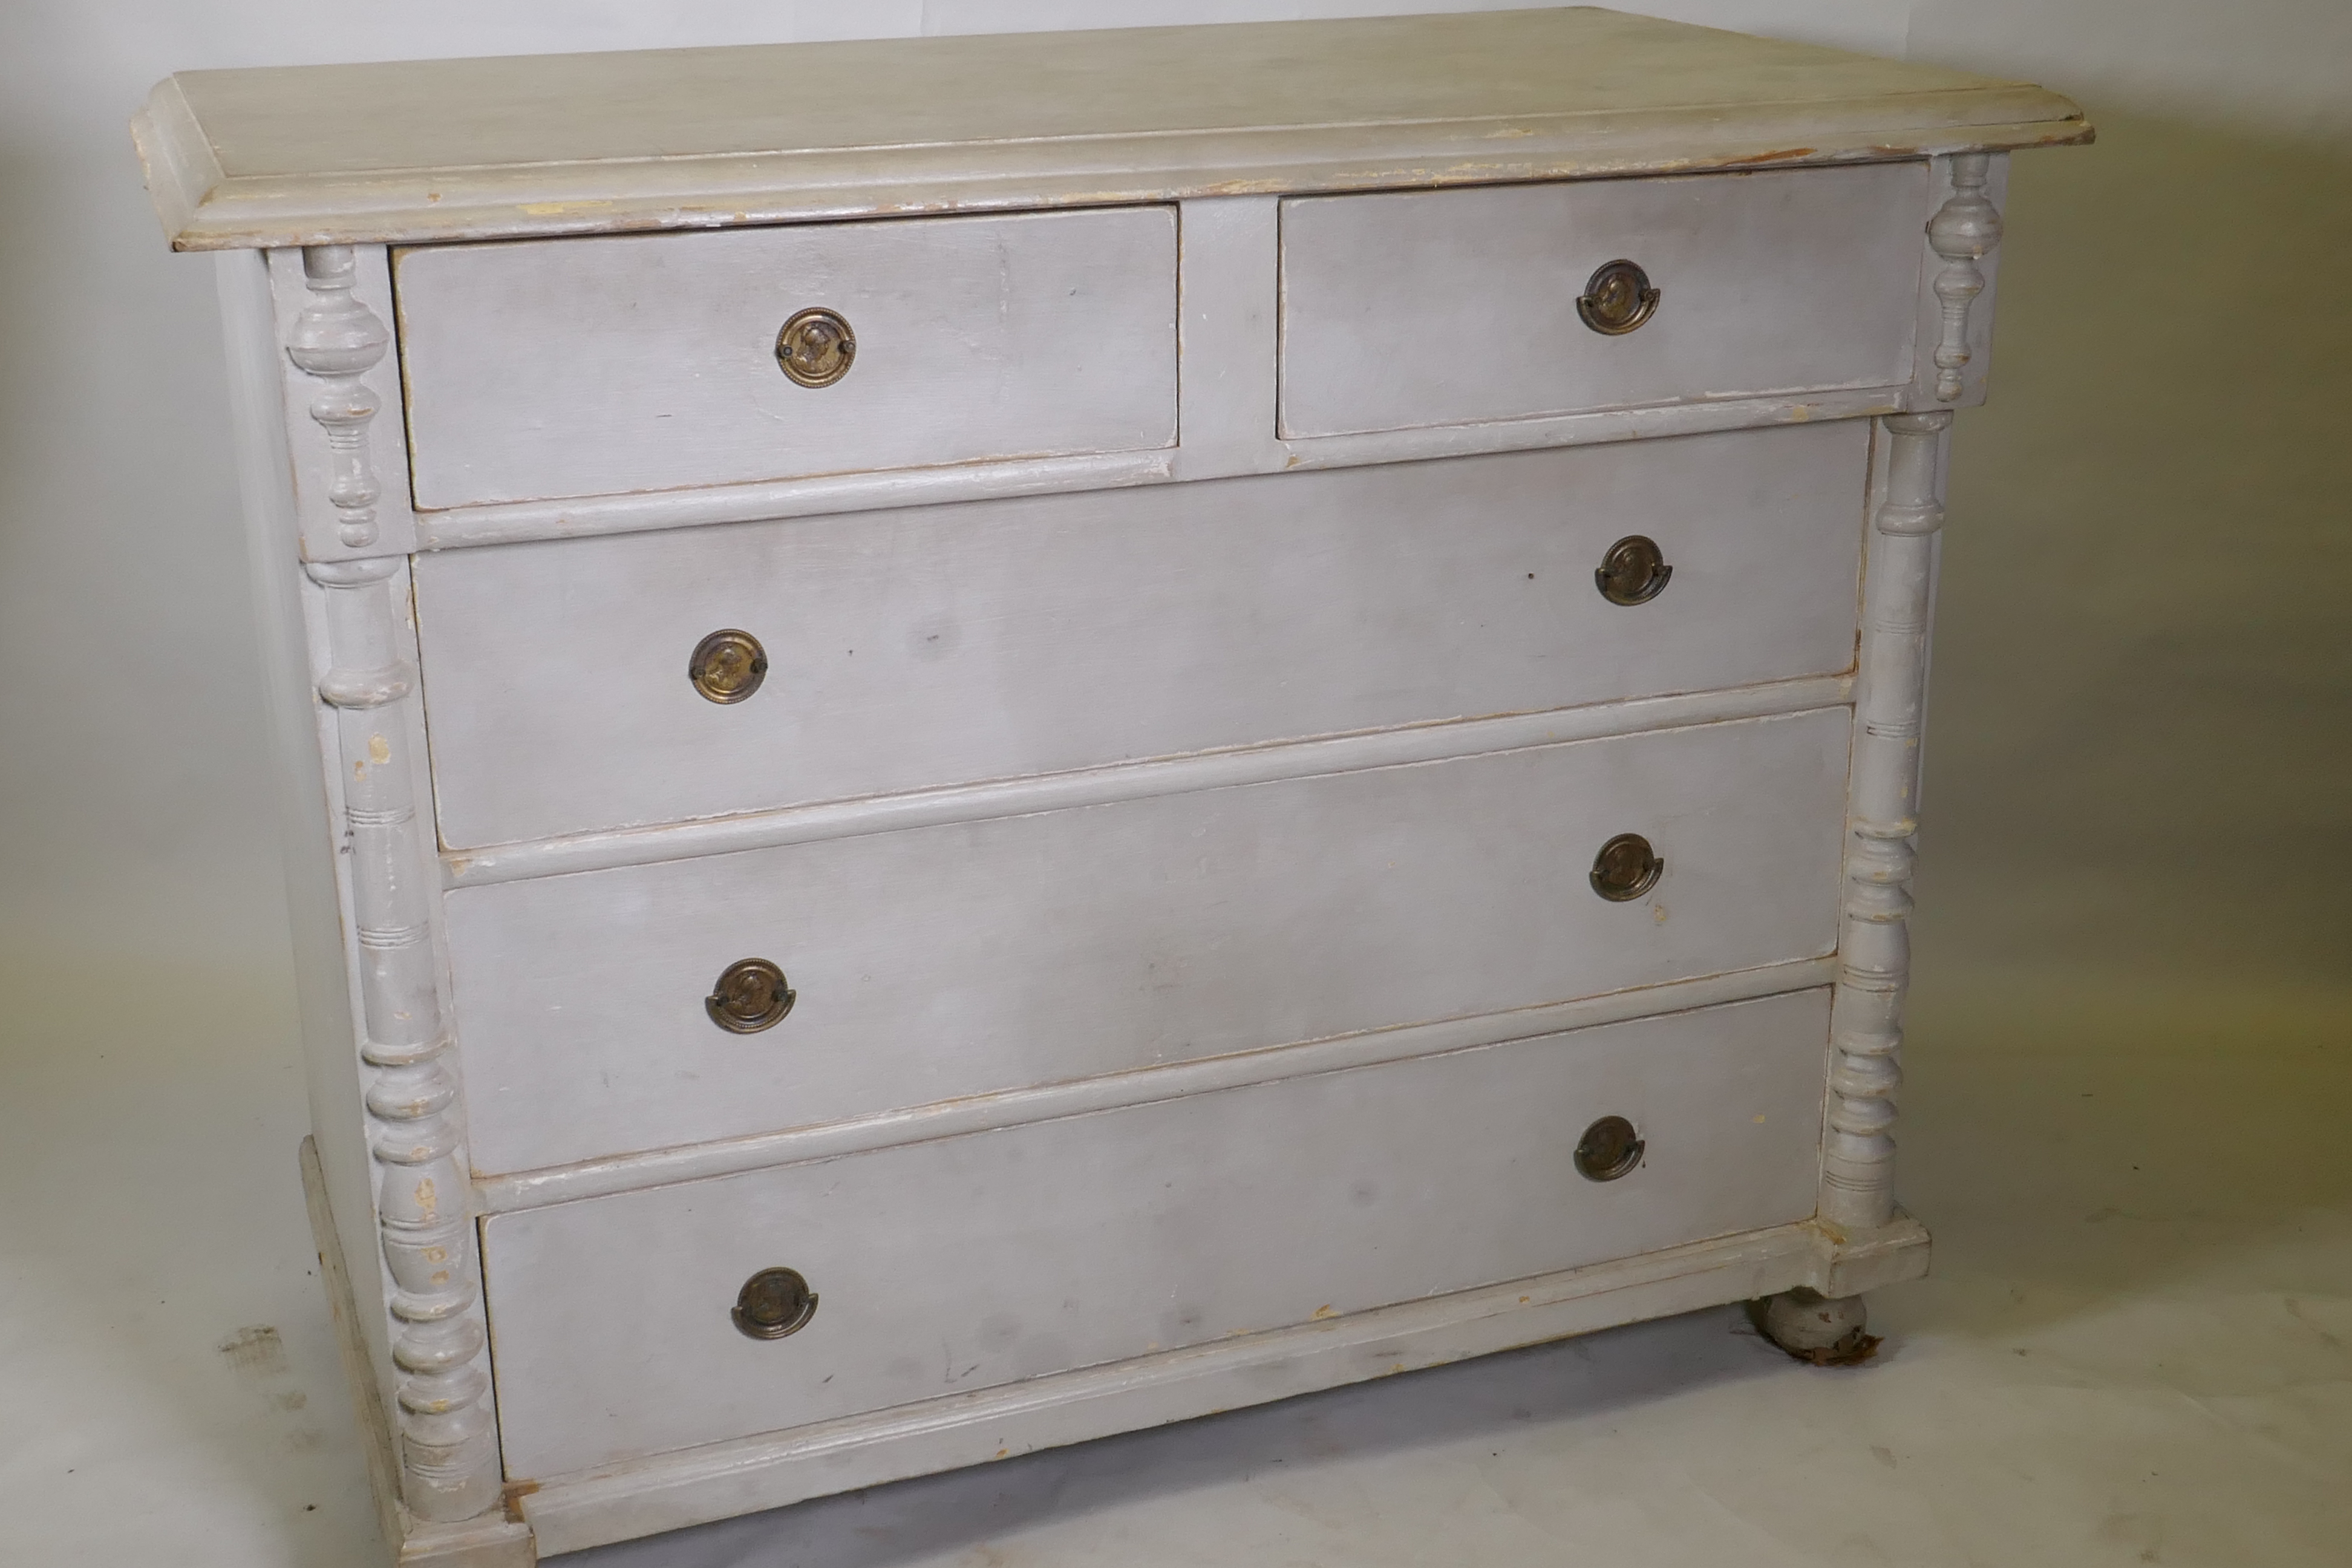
(989, 740)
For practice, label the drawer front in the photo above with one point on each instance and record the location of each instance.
(947, 645)
(940, 962)
(1453, 307)
(582, 367)
(975, 1262)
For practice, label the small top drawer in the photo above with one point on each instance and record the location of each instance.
(1453, 307)
(578, 367)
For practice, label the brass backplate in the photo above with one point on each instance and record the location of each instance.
(816, 347)
(1626, 869)
(773, 1303)
(1609, 1149)
(751, 995)
(728, 666)
(1634, 572)
(1617, 299)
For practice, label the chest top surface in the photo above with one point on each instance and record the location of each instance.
(510, 147)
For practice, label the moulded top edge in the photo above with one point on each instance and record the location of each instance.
(514, 147)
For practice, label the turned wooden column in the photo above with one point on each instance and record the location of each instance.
(1874, 944)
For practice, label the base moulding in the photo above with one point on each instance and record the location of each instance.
(717, 1480)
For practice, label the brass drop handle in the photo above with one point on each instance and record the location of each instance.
(773, 1303)
(1609, 1149)
(728, 666)
(751, 995)
(1618, 299)
(816, 347)
(1634, 572)
(1626, 869)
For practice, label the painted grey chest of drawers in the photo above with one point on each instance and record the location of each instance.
(994, 739)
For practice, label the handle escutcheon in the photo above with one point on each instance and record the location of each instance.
(816, 347)
(773, 1303)
(1618, 299)
(1634, 572)
(728, 666)
(1626, 869)
(1609, 1149)
(751, 995)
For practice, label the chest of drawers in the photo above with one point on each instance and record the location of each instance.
(991, 740)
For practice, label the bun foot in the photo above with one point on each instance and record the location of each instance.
(1826, 1330)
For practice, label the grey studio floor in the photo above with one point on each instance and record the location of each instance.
(2130, 1075)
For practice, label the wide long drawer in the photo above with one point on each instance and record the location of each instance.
(574, 367)
(941, 645)
(968, 1262)
(1510, 302)
(935, 962)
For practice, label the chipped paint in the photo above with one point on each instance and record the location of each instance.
(379, 749)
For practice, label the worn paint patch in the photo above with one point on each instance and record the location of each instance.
(379, 749)
(257, 1352)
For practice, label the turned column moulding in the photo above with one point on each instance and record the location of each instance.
(1875, 947)
(1964, 231)
(337, 339)
(448, 1436)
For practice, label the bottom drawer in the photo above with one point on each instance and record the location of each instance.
(978, 1260)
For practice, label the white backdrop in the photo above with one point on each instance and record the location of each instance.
(131, 799)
